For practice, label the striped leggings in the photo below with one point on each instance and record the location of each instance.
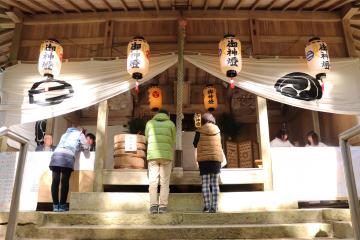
(210, 190)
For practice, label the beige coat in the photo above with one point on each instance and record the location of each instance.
(209, 147)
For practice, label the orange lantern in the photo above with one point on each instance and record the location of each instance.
(210, 98)
(317, 56)
(50, 58)
(138, 53)
(155, 98)
(230, 57)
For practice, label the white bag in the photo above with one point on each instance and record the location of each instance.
(224, 162)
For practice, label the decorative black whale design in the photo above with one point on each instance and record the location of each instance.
(300, 86)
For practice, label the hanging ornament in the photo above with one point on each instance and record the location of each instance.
(210, 98)
(138, 54)
(155, 98)
(230, 57)
(50, 91)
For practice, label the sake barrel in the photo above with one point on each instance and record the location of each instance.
(129, 151)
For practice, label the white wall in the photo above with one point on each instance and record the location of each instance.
(112, 130)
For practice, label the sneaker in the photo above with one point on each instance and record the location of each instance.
(63, 208)
(206, 210)
(162, 210)
(55, 207)
(213, 210)
(154, 209)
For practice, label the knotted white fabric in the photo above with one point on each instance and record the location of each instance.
(92, 81)
(342, 85)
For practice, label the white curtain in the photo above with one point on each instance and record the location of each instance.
(92, 81)
(342, 85)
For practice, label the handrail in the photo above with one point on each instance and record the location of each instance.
(15, 199)
(350, 178)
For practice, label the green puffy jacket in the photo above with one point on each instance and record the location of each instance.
(160, 136)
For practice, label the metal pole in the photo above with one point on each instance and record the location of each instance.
(351, 185)
(179, 93)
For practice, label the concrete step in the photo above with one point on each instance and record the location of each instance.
(180, 202)
(177, 218)
(342, 229)
(229, 231)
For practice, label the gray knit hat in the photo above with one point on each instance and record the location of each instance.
(208, 118)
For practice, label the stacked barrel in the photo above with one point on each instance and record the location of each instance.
(125, 159)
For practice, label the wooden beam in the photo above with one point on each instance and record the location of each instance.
(4, 5)
(108, 39)
(319, 5)
(355, 20)
(92, 6)
(206, 4)
(348, 11)
(254, 35)
(287, 5)
(350, 47)
(304, 5)
(265, 142)
(340, 4)
(222, 5)
(57, 6)
(156, 3)
(107, 4)
(189, 4)
(123, 4)
(19, 5)
(39, 5)
(174, 15)
(254, 6)
(238, 5)
(101, 144)
(16, 16)
(141, 7)
(15, 43)
(6, 32)
(6, 25)
(271, 5)
(75, 6)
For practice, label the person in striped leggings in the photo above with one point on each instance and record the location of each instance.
(207, 142)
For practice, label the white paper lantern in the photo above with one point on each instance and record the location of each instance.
(50, 58)
(138, 53)
(230, 56)
(317, 56)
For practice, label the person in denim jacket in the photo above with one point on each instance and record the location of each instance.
(62, 164)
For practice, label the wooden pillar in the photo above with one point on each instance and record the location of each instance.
(316, 124)
(50, 126)
(179, 91)
(15, 43)
(265, 153)
(347, 12)
(101, 144)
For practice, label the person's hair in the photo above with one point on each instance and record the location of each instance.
(163, 111)
(314, 137)
(91, 136)
(208, 118)
(282, 132)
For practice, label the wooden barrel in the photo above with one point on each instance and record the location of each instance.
(132, 160)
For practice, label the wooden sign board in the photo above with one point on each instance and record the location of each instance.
(232, 155)
(246, 159)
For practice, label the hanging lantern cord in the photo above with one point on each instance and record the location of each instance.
(137, 86)
(232, 85)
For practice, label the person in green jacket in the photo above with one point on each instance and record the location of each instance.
(160, 133)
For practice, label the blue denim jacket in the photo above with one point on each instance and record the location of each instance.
(72, 140)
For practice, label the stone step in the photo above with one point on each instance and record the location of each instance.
(180, 202)
(230, 231)
(343, 229)
(177, 218)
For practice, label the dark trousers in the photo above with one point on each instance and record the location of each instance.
(62, 175)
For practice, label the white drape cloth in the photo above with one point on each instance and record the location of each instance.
(342, 85)
(92, 81)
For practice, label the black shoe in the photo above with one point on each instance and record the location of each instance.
(206, 210)
(162, 210)
(213, 210)
(154, 209)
